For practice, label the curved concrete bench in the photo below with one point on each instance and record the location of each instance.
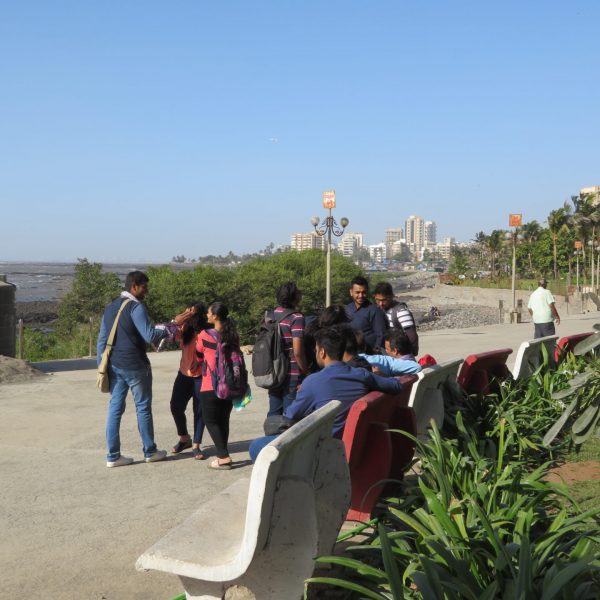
(529, 356)
(263, 533)
(374, 453)
(427, 394)
(480, 370)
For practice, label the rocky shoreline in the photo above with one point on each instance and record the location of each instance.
(37, 311)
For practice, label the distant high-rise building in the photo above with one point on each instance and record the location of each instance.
(307, 241)
(377, 252)
(415, 233)
(429, 233)
(391, 236)
(349, 242)
(593, 191)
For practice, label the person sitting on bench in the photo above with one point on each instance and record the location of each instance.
(399, 359)
(335, 381)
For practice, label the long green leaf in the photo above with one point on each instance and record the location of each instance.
(565, 576)
(348, 585)
(555, 429)
(389, 562)
(587, 417)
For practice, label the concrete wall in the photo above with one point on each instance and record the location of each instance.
(460, 294)
(7, 318)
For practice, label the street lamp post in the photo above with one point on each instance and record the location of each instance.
(329, 227)
(514, 236)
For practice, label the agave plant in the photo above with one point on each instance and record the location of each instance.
(476, 528)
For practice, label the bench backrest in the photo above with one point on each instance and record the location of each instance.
(310, 459)
(427, 393)
(567, 344)
(374, 453)
(478, 371)
(529, 356)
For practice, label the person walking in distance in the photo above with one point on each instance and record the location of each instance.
(129, 368)
(542, 309)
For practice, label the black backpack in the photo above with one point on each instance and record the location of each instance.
(270, 362)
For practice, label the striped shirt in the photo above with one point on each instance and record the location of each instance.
(291, 327)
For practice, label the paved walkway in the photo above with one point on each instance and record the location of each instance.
(72, 529)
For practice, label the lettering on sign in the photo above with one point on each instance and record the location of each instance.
(329, 199)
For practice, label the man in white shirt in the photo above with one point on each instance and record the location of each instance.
(543, 311)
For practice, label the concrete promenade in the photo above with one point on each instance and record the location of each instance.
(72, 529)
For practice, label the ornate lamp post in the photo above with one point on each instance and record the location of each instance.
(329, 226)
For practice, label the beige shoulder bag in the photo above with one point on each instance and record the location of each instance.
(102, 381)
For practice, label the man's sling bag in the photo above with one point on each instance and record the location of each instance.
(102, 381)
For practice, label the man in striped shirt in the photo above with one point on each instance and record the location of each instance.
(397, 313)
(291, 323)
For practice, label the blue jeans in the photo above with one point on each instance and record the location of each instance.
(258, 444)
(139, 381)
(280, 399)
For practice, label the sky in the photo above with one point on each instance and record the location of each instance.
(140, 130)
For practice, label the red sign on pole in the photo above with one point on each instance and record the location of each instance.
(329, 199)
(515, 220)
(578, 245)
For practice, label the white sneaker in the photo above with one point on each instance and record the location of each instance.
(158, 455)
(122, 461)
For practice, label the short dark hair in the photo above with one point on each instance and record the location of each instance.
(359, 280)
(135, 278)
(287, 295)
(384, 289)
(332, 341)
(398, 340)
(355, 339)
(333, 315)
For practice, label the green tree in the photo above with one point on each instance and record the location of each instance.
(459, 263)
(92, 289)
(557, 223)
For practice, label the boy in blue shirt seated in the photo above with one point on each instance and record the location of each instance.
(399, 359)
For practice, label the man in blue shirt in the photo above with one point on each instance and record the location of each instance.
(364, 316)
(129, 368)
(335, 381)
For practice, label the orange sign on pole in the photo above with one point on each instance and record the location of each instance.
(515, 220)
(578, 245)
(329, 199)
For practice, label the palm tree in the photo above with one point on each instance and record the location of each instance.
(557, 219)
(494, 245)
(531, 233)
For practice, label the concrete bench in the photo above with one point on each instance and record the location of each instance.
(427, 393)
(374, 453)
(529, 356)
(263, 533)
(479, 371)
(567, 344)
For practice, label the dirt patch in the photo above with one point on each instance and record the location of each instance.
(13, 370)
(575, 471)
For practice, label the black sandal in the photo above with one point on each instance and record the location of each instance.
(180, 446)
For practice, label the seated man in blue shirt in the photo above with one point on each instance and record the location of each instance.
(335, 381)
(399, 359)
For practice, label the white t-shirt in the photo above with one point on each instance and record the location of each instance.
(539, 304)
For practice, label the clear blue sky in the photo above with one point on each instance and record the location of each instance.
(139, 130)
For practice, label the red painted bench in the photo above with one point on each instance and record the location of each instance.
(478, 371)
(567, 344)
(375, 454)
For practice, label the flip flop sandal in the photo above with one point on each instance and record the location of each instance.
(197, 454)
(180, 446)
(214, 464)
